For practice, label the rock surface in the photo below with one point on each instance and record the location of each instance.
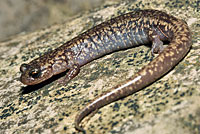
(168, 106)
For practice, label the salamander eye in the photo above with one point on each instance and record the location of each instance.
(35, 73)
(24, 67)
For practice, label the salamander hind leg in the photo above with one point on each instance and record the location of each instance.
(157, 45)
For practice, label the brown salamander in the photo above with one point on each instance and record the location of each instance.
(125, 31)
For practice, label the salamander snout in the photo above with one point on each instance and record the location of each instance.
(32, 75)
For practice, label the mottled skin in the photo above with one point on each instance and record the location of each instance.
(128, 30)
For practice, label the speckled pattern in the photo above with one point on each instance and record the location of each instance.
(170, 105)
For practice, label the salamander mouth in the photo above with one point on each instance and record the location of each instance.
(42, 80)
(28, 81)
(32, 81)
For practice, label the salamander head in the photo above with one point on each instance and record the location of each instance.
(34, 73)
(44, 67)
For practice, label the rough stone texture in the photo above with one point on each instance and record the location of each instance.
(168, 106)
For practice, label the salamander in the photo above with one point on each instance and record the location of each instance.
(126, 31)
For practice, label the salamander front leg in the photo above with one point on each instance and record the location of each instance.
(70, 74)
(157, 45)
